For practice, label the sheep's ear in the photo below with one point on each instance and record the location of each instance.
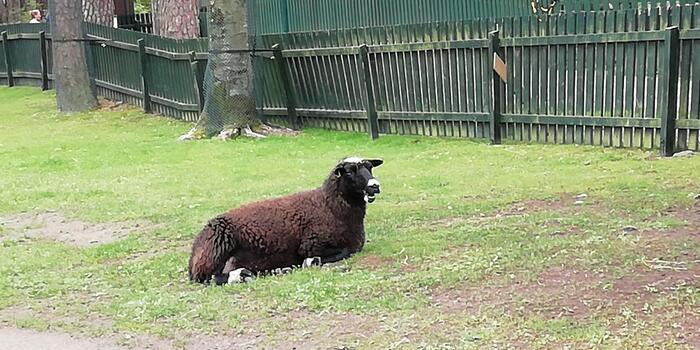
(375, 162)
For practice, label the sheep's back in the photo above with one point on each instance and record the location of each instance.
(276, 225)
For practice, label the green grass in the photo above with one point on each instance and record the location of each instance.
(124, 165)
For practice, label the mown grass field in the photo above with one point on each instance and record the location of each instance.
(469, 245)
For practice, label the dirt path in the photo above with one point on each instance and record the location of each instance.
(21, 339)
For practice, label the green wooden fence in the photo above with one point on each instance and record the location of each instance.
(615, 78)
(115, 66)
(285, 16)
(600, 78)
(119, 72)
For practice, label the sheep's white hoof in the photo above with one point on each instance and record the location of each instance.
(308, 262)
(240, 276)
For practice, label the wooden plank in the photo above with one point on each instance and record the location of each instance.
(196, 81)
(324, 113)
(581, 39)
(668, 98)
(145, 73)
(527, 54)
(495, 106)
(552, 68)
(684, 73)
(155, 99)
(8, 61)
(690, 34)
(630, 69)
(372, 121)
(599, 76)
(290, 96)
(570, 68)
(44, 61)
(579, 121)
(542, 64)
(580, 67)
(589, 76)
(619, 67)
(694, 112)
(442, 116)
(561, 68)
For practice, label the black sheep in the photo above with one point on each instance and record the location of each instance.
(327, 222)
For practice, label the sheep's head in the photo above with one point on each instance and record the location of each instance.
(356, 179)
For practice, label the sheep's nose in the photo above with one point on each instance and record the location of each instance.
(373, 185)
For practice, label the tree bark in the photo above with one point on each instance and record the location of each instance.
(229, 84)
(73, 90)
(10, 11)
(98, 11)
(175, 18)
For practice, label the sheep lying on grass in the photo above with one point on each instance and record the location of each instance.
(327, 222)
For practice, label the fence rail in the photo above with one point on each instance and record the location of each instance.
(616, 78)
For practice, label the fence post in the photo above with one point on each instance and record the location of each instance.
(198, 87)
(8, 61)
(44, 62)
(495, 108)
(144, 74)
(668, 105)
(372, 121)
(287, 84)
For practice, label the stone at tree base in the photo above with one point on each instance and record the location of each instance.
(683, 154)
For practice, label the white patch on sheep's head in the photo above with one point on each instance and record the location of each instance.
(357, 177)
(355, 160)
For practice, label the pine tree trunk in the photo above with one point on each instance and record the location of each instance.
(99, 11)
(228, 82)
(10, 11)
(175, 18)
(73, 90)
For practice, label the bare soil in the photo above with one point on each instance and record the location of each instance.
(55, 226)
(565, 292)
(20, 339)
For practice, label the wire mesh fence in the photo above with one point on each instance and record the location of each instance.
(229, 90)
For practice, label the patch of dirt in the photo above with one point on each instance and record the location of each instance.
(14, 339)
(691, 216)
(562, 292)
(373, 262)
(662, 274)
(294, 330)
(564, 203)
(55, 226)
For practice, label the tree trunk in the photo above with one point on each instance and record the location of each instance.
(10, 11)
(73, 90)
(175, 18)
(98, 11)
(228, 84)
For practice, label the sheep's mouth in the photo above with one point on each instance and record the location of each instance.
(369, 198)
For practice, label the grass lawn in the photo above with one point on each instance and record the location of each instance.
(469, 245)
